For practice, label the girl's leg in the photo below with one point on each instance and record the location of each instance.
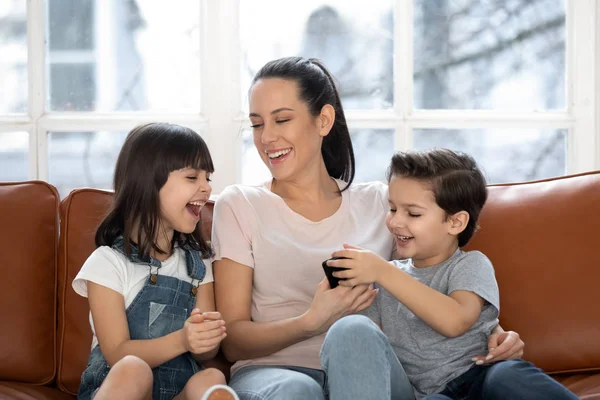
(361, 364)
(130, 378)
(519, 380)
(275, 383)
(200, 383)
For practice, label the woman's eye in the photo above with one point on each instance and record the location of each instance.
(392, 210)
(414, 215)
(281, 121)
(254, 126)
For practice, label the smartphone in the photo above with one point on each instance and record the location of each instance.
(333, 281)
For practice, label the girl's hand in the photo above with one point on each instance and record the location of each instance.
(329, 305)
(202, 332)
(364, 266)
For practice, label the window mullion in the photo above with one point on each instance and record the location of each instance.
(403, 70)
(37, 88)
(581, 75)
(221, 87)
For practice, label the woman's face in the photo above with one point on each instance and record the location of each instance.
(287, 137)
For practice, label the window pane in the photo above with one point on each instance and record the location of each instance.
(83, 159)
(505, 155)
(14, 151)
(124, 56)
(489, 54)
(13, 57)
(355, 43)
(373, 150)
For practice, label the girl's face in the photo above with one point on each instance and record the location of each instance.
(419, 225)
(287, 137)
(181, 199)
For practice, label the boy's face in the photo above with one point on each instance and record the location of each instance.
(420, 226)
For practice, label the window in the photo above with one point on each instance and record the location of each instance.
(515, 83)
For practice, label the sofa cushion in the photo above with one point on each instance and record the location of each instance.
(28, 244)
(21, 391)
(542, 238)
(585, 386)
(80, 213)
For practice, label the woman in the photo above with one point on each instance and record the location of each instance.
(271, 239)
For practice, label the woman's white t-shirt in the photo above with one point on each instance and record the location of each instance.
(112, 269)
(255, 227)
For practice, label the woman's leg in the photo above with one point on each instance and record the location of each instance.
(360, 362)
(518, 379)
(130, 378)
(275, 383)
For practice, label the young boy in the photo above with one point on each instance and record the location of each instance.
(438, 304)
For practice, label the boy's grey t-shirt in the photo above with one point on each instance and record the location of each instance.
(430, 359)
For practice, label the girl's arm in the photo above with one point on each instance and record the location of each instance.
(247, 339)
(112, 331)
(205, 304)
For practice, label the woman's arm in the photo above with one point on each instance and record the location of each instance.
(502, 345)
(247, 339)
(112, 331)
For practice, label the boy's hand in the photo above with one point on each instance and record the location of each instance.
(202, 332)
(364, 266)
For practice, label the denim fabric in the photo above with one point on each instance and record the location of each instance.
(161, 307)
(361, 363)
(512, 379)
(258, 382)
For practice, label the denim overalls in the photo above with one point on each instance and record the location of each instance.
(162, 306)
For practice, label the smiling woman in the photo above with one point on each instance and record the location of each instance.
(270, 241)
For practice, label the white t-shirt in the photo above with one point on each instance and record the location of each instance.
(255, 227)
(112, 269)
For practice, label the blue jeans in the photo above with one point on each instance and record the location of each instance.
(279, 382)
(361, 363)
(354, 355)
(512, 379)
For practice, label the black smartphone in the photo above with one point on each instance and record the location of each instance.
(333, 281)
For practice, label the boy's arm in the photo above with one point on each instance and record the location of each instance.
(449, 315)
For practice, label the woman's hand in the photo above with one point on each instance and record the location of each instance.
(502, 346)
(202, 332)
(329, 305)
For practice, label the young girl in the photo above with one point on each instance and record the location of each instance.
(149, 283)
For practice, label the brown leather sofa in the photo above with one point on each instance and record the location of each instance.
(541, 236)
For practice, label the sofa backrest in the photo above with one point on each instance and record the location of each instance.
(543, 240)
(28, 244)
(80, 214)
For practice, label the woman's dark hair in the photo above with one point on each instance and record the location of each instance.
(456, 181)
(316, 88)
(149, 154)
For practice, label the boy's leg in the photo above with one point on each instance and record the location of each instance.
(129, 379)
(360, 362)
(275, 383)
(518, 379)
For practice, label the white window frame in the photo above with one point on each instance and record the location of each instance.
(220, 120)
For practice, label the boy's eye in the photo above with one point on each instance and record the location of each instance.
(192, 178)
(392, 210)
